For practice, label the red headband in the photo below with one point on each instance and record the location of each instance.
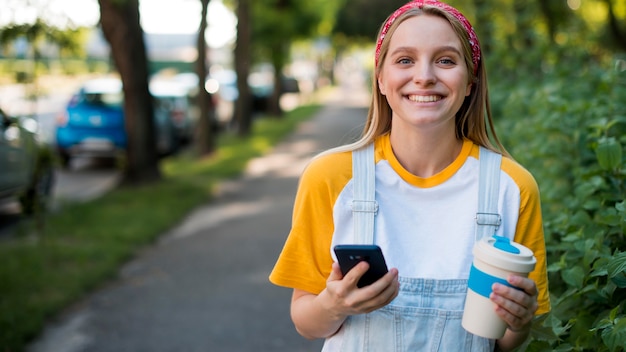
(473, 39)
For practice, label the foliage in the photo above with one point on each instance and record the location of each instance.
(277, 23)
(361, 19)
(69, 41)
(569, 130)
(84, 245)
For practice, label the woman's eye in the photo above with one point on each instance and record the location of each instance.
(446, 61)
(404, 61)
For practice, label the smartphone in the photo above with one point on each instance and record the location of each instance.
(349, 255)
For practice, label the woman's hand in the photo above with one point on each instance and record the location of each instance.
(320, 316)
(347, 299)
(517, 308)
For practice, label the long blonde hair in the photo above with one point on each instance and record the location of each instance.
(470, 119)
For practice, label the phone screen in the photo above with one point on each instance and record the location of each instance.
(349, 255)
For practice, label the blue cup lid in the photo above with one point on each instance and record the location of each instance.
(503, 253)
(504, 244)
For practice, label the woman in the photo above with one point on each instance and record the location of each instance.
(429, 115)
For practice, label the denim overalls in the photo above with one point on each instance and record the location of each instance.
(426, 315)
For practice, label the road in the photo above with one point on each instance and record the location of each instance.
(204, 286)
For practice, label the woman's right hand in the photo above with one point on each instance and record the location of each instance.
(345, 298)
(321, 316)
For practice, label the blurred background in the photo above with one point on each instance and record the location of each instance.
(286, 51)
(95, 95)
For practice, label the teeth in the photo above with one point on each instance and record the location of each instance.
(424, 98)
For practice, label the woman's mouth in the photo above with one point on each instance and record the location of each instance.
(425, 98)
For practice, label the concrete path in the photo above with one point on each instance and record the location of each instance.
(204, 286)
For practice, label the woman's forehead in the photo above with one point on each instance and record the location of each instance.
(424, 31)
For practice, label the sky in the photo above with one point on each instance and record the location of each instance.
(157, 16)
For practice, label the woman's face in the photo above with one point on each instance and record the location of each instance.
(424, 76)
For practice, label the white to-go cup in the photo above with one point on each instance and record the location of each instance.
(494, 259)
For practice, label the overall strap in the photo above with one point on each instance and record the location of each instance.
(364, 206)
(487, 218)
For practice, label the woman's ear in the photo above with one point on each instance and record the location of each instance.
(468, 91)
(381, 85)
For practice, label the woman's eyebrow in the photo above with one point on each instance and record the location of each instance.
(410, 49)
(450, 48)
(403, 49)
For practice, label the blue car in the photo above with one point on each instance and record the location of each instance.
(93, 123)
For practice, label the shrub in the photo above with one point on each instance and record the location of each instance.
(569, 131)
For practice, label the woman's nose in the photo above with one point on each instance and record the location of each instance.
(423, 73)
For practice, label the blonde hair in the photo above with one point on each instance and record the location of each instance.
(473, 120)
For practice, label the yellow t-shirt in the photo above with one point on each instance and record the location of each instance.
(425, 226)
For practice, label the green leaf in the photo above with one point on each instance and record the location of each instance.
(574, 276)
(547, 328)
(617, 265)
(609, 154)
(615, 336)
(566, 347)
(613, 313)
(608, 216)
(619, 280)
(538, 346)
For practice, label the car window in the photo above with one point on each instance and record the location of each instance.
(104, 99)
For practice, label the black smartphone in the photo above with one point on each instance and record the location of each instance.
(349, 255)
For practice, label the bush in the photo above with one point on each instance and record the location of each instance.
(569, 131)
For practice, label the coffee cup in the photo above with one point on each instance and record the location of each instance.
(495, 258)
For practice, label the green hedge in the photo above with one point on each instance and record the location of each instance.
(567, 125)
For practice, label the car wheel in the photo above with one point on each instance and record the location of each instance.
(37, 196)
(65, 159)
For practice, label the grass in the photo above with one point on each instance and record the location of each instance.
(85, 244)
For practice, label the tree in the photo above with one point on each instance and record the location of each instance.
(120, 24)
(362, 25)
(617, 32)
(243, 108)
(38, 35)
(204, 138)
(275, 25)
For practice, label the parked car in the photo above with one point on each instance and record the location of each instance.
(223, 84)
(93, 123)
(26, 168)
(172, 99)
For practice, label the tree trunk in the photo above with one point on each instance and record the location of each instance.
(280, 52)
(550, 17)
(204, 138)
(616, 31)
(121, 28)
(243, 106)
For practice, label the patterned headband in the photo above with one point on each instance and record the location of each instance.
(473, 39)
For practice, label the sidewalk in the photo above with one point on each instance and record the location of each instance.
(204, 286)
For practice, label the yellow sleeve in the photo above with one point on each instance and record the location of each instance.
(305, 261)
(529, 231)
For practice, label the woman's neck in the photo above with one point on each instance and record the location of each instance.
(425, 155)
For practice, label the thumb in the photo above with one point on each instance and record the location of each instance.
(335, 273)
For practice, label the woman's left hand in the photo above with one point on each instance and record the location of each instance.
(516, 307)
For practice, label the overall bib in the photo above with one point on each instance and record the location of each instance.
(426, 316)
